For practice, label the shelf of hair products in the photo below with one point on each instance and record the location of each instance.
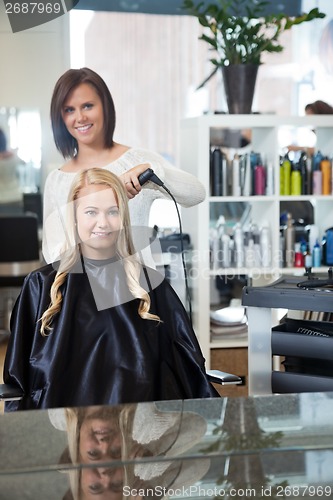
(244, 243)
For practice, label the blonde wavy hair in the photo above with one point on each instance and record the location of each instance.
(124, 247)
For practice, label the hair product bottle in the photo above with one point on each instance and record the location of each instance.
(325, 166)
(254, 157)
(247, 188)
(239, 245)
(308, 261)
(224, 175)
(259, 178)
(316, 255)
(270, 179)
(296, 181)
(299, 257)
(317, 173)
(286, 164)
(236, 186)
(281, 177)
(265, 246)
(302, 165)
(289, 242)
(216, 172)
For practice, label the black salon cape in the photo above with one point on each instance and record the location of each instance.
(94, 357)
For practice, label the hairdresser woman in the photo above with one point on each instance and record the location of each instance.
(83, 123)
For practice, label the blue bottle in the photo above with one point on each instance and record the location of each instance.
(316, 255)
(303, 245)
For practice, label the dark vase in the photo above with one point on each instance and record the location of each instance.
(239, 85)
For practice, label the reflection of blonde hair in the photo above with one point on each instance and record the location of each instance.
(124, 246)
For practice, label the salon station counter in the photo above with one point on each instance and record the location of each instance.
(277, 446)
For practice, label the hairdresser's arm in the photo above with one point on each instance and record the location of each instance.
(308, 150)
(48, 208)
(54, 235)
(186, 188)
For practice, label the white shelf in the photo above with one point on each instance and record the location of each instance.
(228, 343)
(250, 199)
(299, 271)
(195, 142)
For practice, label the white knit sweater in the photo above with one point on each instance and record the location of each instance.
(186, 189)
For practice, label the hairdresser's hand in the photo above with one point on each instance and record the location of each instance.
(131, 181)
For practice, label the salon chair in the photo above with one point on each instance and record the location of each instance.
(19, 255)
(10, 393)
(32, 204)
(19, 248)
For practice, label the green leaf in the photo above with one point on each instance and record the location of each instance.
(238, 38)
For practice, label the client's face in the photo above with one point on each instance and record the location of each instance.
(98, 221)
(100, 444)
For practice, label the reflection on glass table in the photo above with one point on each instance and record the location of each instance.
(259, 447)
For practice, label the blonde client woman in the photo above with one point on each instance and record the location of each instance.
(83, 120)
(101, 329)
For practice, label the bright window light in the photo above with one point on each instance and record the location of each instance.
(78, 21)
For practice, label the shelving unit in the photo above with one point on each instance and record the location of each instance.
(260, 303)
(195, 142)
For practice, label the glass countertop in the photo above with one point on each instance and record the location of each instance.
(278, 446)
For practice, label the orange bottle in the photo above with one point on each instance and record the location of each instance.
(326, 169)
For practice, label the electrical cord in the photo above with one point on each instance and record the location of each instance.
(149, 175)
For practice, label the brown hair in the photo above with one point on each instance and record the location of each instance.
(319, 108)
(69, 81)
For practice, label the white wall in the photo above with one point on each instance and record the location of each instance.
(32, 61)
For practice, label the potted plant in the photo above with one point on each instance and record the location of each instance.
(239, 32)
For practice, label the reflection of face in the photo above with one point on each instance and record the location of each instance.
(98, 221)
(83, 117)
(102, 483)
(100, 441)
(100, 437)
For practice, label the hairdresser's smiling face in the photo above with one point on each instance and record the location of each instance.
(83, 115)
(98, 221)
